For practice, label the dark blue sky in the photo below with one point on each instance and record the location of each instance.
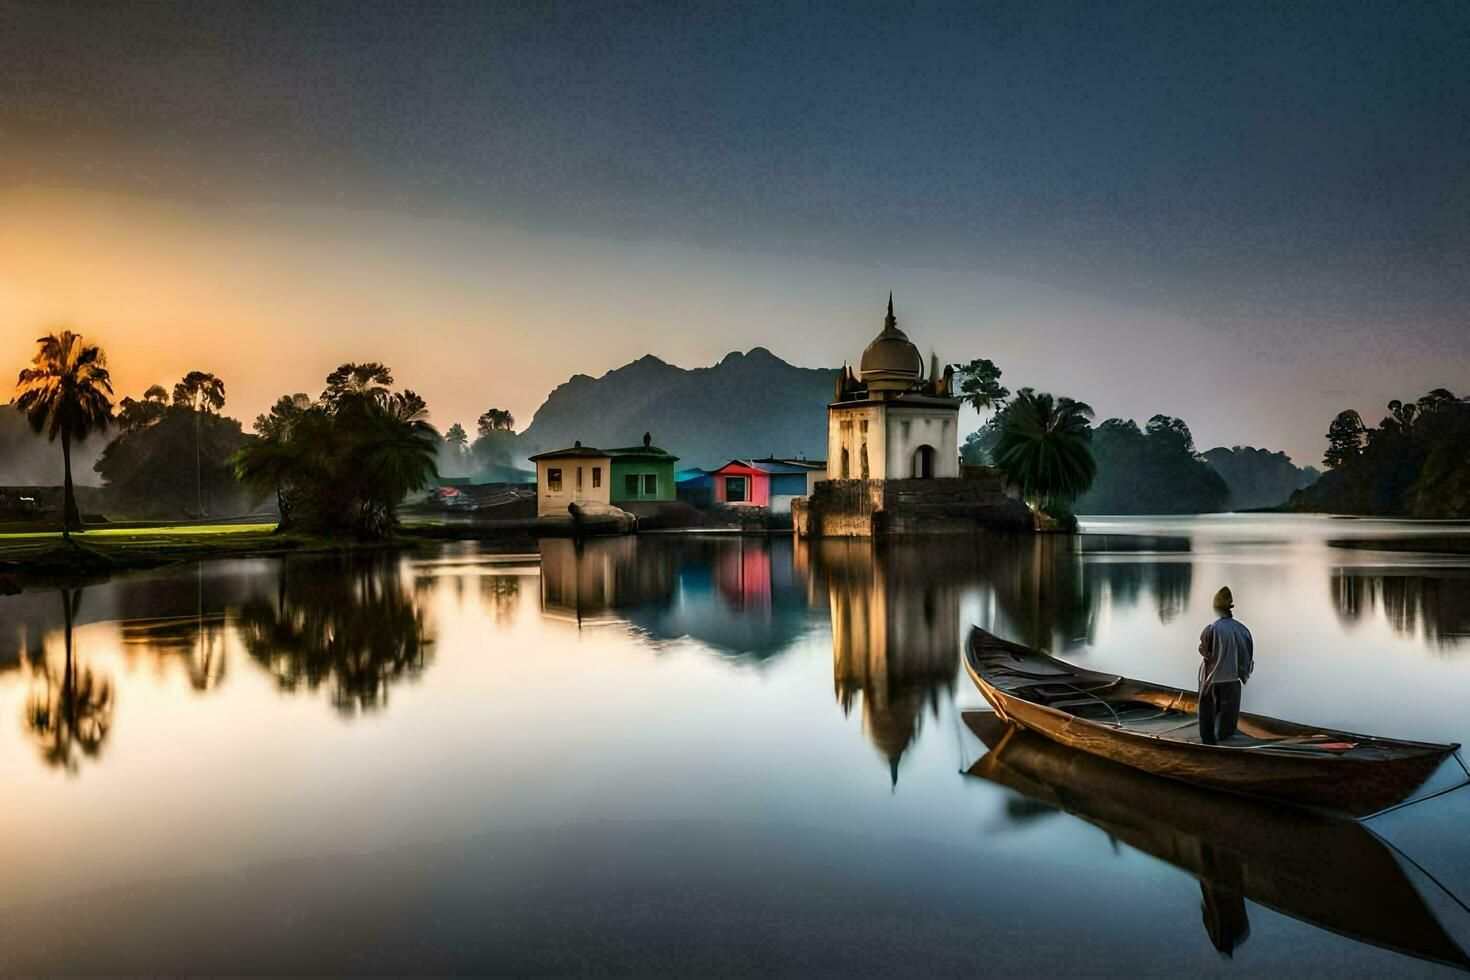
(1292, 176)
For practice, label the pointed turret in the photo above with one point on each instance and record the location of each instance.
(891, 362)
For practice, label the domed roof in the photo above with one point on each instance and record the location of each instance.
(891, 357)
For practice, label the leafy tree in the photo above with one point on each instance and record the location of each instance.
(1043, 447)
(1400, 417)
(342, 464)
(178, 464)
(1153, 470)
(1416, 464)
(979, 384)
(139, 414)
(458, 439)
(1435, 400)
(68, 392)
(1344, 438)
(355, 380)
(199, 391)
(496, 420)
(978, 449)
(1170, 435)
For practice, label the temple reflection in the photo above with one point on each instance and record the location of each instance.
(1239, 848)
(350, 623)
(1434, 606)
(68, 709)
(895, 636)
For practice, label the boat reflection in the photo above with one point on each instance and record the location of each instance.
(1434, 605)
(68, 709)
(1328, 871)
(345, 621)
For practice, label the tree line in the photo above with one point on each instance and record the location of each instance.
(1049, 448)
(339, 463)
(1414, 463)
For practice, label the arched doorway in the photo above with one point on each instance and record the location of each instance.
(844, 463)
(924, 463)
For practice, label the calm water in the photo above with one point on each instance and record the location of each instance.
(713, 754)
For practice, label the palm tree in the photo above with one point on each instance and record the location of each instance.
(66, 391)
(399, 453)
(1044, 449)
(202, 393)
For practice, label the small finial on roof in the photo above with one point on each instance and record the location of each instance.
(890, 322)
(577, 444)
(647, 440)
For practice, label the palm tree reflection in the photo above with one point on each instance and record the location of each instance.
(349, 623)
(69, 713)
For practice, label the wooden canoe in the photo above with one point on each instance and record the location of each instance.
(1326, 870)
(1156, 729)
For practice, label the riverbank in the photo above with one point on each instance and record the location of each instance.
(43, 559)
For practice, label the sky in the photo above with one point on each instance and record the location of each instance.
(1247, 216)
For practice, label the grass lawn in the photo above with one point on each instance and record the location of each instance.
(161, 531)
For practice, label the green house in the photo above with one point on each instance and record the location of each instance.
(643, 472)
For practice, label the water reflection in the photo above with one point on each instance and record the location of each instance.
(68, 710)
(350, 623)
(1434, 606)
(895, 636)
(595, 581)
(740, 596)
(1328, 871)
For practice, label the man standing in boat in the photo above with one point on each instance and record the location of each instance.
(1229, 658)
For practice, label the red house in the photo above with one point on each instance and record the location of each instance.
(742, 482)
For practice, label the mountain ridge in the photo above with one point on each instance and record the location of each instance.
(746, 404)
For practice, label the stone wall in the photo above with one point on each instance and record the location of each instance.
(865, 508)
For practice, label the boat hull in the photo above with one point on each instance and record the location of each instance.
(1352, 785)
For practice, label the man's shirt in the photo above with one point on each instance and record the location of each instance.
(1228, 652)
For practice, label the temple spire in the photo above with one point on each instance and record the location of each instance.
(891, 321)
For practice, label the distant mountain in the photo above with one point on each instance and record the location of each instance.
(751, 404)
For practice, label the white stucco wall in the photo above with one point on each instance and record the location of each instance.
(551, 503)
(909, 427)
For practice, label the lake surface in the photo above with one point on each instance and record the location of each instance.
(712, 754)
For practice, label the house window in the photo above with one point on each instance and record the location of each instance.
(735, 489)
(844, 463)
(630, 485)
(650, 485)
(596, 477)
(553, 480)
(579, 479)
(863, 458)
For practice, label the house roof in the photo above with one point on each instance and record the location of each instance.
(790, 465)
(645, 451)
(577, 451)
(739, 466)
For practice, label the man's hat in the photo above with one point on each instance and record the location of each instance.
(1223, 598)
